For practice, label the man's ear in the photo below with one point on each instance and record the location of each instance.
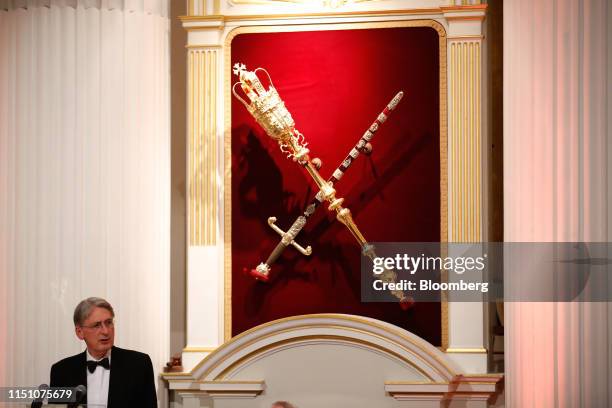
(79, 332)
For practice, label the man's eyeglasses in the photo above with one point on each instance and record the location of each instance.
(108, 323)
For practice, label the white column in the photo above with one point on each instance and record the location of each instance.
(205, 212)
(466, 172)
(557, 173)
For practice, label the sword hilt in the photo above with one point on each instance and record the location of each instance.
(262, 272)
(288, 238)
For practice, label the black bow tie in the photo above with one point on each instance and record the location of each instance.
(91, 365)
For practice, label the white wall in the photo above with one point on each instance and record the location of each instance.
(84, 178)
(557, 187)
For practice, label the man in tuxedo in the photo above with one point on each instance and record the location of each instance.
(114, 377)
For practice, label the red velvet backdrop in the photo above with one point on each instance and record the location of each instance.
(335, 83)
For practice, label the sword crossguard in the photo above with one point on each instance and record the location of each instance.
(288, 238)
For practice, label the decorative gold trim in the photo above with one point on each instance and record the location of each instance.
(366, 13)
(206, 18)
(478, 142)
(199, 349)
(465, 95)
(479, 383)
(415, 383)
(190, 134)
(202, 156)
(177, 375)
(464, 7)
(465, 18)
(427, 396)
(467, 38)
(443, 175)
(202, 46)
(485, 375)
(227, 139)
(458, 350)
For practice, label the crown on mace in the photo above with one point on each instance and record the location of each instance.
(269, 111)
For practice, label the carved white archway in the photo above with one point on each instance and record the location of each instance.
(366, 359)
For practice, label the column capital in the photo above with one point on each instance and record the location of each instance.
(205, 31)
(465, 21)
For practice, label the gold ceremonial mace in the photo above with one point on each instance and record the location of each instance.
(270, 112)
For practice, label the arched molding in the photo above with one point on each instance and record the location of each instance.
(385, 339)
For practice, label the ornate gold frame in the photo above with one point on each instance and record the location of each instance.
(227, 309)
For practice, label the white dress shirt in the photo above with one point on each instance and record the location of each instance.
(97, 383)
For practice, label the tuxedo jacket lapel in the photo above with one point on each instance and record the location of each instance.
(81, 371)
(82, 380)
(115, 381)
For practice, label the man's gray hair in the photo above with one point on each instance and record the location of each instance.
(86, 306)
(283, 404)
